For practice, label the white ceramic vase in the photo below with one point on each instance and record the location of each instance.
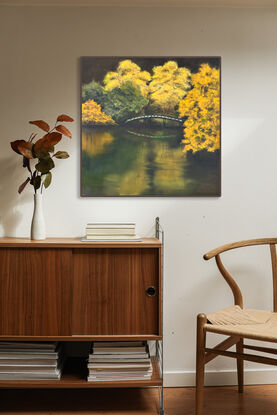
(38, 224)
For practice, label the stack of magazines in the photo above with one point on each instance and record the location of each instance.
(119, 361)
(111, 232)
(30, 361)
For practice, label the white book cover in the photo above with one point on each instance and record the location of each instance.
(31, 362)
(99, 359)
(30, 355)
(111, 225)
(30, 376)
(119, 350)
(110, 232)
(119, 375)
(26, 368)
(113, 238)
(118, 366)
(118, 344)
(122, 356)
(115, 378)
(24, 351)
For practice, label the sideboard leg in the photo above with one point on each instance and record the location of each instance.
(161, 400)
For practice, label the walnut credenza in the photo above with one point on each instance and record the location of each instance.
(63, 289)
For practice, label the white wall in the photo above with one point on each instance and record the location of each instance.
(40, 78)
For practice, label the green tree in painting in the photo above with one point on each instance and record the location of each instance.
(128, 71)
(168, 86)
(201, 106)
(93, 91)
(125, 102)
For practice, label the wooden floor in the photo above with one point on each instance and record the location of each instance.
(257, 400)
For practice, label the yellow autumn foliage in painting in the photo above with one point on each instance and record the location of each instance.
(93, 114)
(128, 71)
(202, 107)
(168, 86)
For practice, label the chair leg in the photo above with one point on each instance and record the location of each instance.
(240, 364)
(200, 363)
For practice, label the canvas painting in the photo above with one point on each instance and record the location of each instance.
(151, 126)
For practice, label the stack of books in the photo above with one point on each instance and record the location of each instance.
(35, 361)
(119, 361)
(111, 232)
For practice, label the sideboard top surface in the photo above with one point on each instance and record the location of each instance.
(75, 243)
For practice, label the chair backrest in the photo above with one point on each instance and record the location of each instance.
(215, 253)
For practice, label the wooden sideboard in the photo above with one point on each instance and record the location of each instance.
(66, 290)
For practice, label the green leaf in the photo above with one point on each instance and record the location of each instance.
(41, 153)
(51, 149)
(46, 179)
(44, 165)
(26, 162)
(61, 155)
(37, 182)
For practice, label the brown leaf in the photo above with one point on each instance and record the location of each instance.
(47, 142)
(15, 144)
(23, 185)
(25, 149)
(62, 129)
(64, 118)
(41, 124)
(53, 138)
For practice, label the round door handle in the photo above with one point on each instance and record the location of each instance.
(150, 291)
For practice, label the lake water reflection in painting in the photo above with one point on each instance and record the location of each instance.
(150, 126)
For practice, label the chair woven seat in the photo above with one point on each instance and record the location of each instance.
(258, 324)
(237, 323)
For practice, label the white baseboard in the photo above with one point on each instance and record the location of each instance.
(220, 378)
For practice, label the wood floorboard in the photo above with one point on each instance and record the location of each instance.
(256, 400)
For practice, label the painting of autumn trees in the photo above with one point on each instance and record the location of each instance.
(150, 126)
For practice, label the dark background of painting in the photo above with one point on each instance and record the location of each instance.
(95, 68)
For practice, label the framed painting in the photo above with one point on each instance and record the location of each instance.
(151, 126)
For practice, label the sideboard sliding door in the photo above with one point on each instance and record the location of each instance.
(109, 291)
(35, 291)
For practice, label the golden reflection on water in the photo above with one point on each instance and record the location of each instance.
(96, 143)
(156, 165)
(117, 162)
(169, 172)
(136, 181)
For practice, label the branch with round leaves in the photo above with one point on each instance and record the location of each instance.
(42, 151)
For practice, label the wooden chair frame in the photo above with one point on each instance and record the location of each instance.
(205, 354)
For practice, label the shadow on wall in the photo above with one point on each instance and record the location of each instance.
(11, 176)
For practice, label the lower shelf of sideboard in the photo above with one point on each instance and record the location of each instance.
(75, 376)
